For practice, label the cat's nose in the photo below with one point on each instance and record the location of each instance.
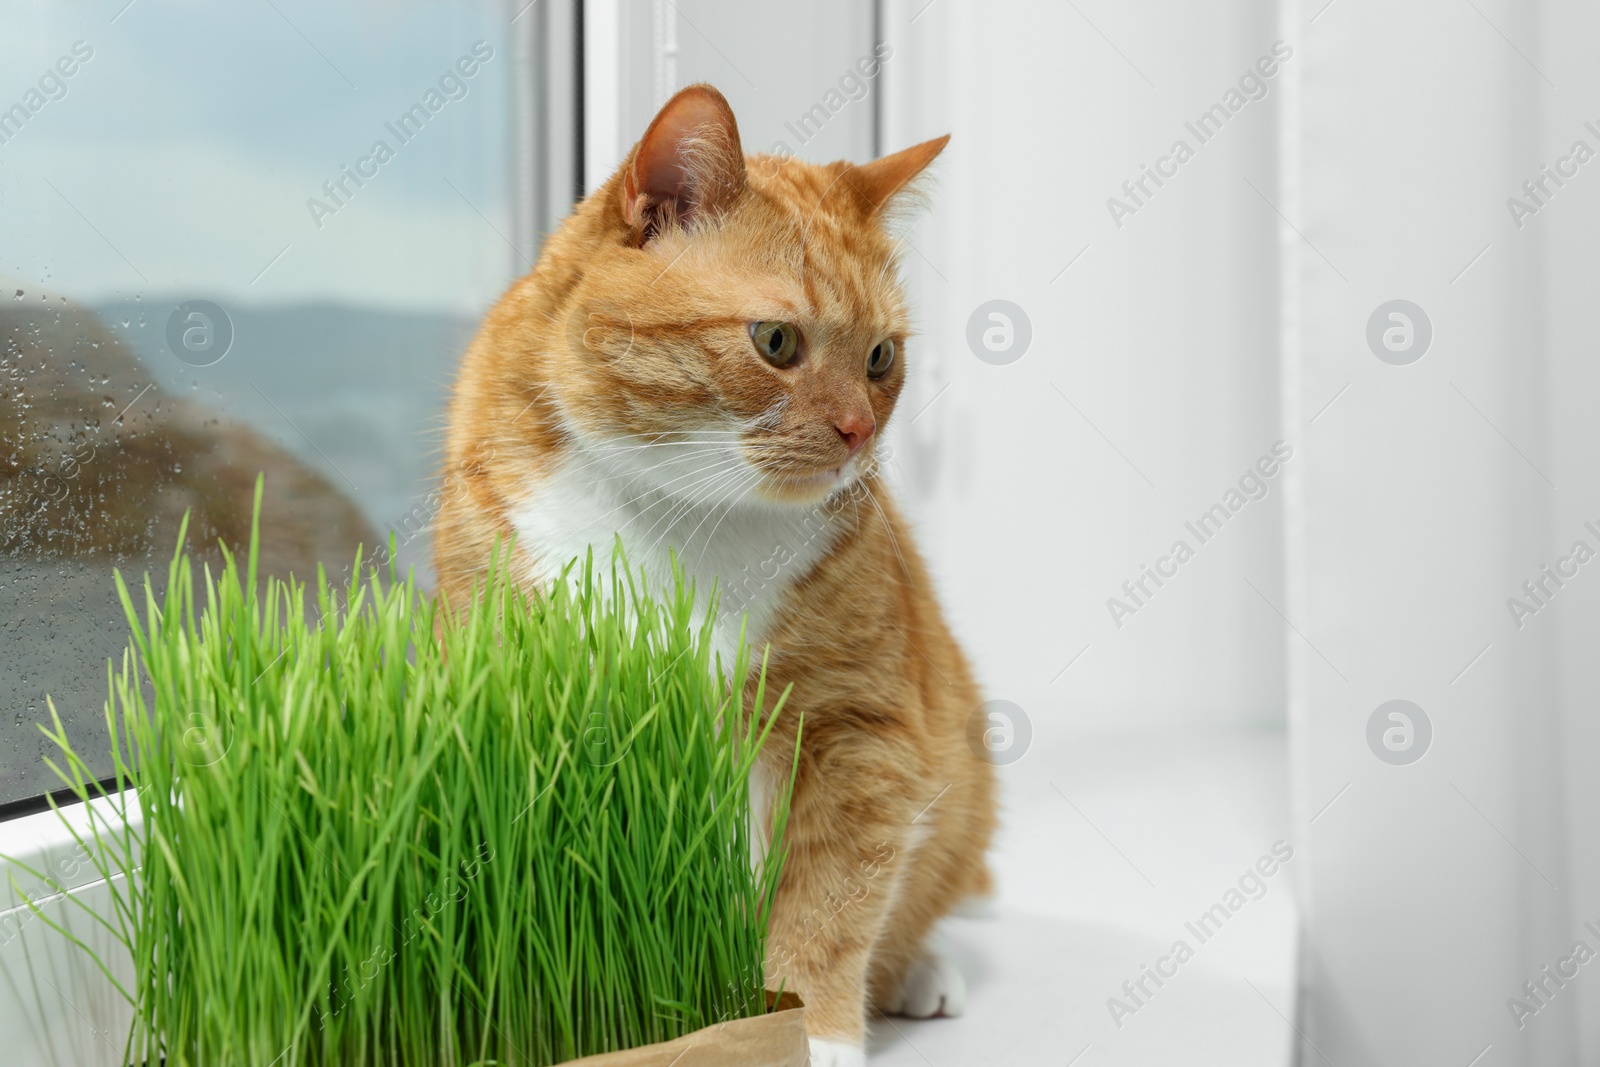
(855, 429)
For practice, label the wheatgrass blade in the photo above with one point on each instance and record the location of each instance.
(375, 829)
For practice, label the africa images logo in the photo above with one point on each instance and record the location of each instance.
(453, 84)
(1254, 84)
(51, 86)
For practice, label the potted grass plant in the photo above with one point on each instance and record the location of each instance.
(350, 827)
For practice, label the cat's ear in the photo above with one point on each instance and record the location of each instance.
(688, 164)
(878, 182)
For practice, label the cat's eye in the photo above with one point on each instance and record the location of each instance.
(778, 342)
(881, 359)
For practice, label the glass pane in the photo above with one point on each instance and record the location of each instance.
(236, 238)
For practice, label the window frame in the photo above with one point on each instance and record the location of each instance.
(57, 1008)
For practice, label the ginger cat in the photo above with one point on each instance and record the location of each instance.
(703, 361)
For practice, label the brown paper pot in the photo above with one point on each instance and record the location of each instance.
(777, 1039)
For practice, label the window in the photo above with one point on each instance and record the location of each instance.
(258, 239)
(238, 239)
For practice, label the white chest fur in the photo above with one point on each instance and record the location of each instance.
(692, 503)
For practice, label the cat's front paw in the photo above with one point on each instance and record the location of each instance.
(932, 986)
(829, 1053)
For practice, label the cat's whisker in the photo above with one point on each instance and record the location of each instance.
(715, 492)
(652, 488)
(603, 451)
(754, 477)
(608, 464)
(723, 489)
(626, 450)
(685, 497)
(703, 448)
(598, 459)
(888, 528)
(686, 506)
(770, 419)
(712, 536)
(668, 437)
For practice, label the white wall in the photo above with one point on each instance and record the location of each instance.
(1432, 491)
(1150, 384)
(1562, 41)
(772, 66)
(1230, 312)
(1162, 334)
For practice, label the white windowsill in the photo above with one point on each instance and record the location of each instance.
(56, 1008)
(1109, 844)
(1076, 918)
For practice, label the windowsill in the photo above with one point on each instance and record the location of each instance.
(56, 1008)
(1182, 815)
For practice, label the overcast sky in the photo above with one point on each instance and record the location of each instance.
(182, 155)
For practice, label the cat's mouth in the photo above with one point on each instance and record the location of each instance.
(808, 486)
(825, 477)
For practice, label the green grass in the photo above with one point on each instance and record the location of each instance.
(523, 842)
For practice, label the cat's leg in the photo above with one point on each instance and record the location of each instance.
(911, 974)
(846, 836)
(927, 985)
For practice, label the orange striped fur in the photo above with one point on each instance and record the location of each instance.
(617, 390)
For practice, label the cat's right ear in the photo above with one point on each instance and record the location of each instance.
(688, 165)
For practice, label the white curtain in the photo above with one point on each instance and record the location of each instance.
(1346, 271)
(1433, 485)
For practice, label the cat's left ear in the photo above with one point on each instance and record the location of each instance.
(688, 164)
(879, 181)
